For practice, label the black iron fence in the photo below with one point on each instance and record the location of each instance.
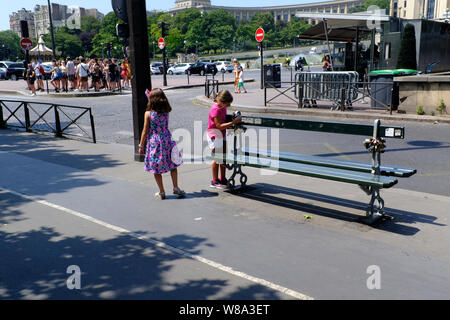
(60, 120)
(211, 87)
(381, 95)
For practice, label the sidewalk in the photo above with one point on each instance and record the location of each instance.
(20, 88)
(212, 244)
(253, 102)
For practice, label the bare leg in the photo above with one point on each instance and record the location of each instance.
(222, 172)
(159, 182)
(174, 175)
(215, 170)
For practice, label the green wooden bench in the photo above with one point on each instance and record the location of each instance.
(370, 177)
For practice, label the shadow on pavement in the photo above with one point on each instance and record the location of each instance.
(267, 193)
(35, 265)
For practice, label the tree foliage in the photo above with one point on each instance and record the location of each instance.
(10, 46)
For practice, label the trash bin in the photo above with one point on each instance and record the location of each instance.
(272, 74)
(382, 94)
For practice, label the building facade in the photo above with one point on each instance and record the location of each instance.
(42, 20)
(39, 21)
(420, 9)
(23, 14)
(73, 21)
(280, 13)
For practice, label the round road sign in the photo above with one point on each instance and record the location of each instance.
(26, 44)
(161, 43)
(259, 35)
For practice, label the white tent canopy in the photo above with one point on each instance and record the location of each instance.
(42, 51)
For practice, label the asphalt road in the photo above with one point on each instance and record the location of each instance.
(259, 234)
(426, 146)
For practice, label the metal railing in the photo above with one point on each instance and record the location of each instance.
(46, 117)
(341, 88)
(211, 87)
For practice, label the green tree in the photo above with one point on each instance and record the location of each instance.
(66, 43)
(195, 36)
(106, 34)
(90, 24)
(407, 55)
(10, 46)
(183, 19)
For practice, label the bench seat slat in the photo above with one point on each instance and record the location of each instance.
(386, 170)
(328, 173)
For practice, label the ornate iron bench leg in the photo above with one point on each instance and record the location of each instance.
(237, 170)
(375, 210)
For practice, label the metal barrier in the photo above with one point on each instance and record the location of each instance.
(341, 88)
(335, 86)
(38, 118)
(211, 87)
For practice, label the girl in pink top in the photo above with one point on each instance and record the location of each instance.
(217, 134)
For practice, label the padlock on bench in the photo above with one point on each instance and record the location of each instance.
(239, 127)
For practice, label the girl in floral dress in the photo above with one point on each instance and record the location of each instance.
(161, 152)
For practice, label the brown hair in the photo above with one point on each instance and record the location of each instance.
(223, 96)
(158, 102)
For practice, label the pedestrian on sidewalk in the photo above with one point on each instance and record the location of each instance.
(236, 76)
(216, 135)
(83, 71)
(30, 78)
(241, 80)
(71, 73)
(161, 152)
(55, 75)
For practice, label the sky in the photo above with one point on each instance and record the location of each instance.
(104, 6)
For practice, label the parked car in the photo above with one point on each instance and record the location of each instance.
(156, 68)
(224, 66)
(14, 70)
(178, 68)
(202, 68)
(2, 73)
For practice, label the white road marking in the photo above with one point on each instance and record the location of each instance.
(271, 285)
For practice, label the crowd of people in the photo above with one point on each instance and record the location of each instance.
(80, 74)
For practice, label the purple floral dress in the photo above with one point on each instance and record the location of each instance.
(161, 154)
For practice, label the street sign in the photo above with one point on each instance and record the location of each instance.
(161, 43)
(259, 35)
(26, 44)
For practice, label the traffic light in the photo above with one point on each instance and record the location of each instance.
(24, 29)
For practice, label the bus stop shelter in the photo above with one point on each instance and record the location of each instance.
(345, 28)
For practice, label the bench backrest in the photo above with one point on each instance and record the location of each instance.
(331, 127)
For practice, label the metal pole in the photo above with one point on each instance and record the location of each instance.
(262, 64)
(51, 28)
(372, 51)
(139, 59)
(325, 27)
(356, 48)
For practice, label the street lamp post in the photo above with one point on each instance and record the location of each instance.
(196, 47)
(153, 50)
(51, 28)
(185, 51)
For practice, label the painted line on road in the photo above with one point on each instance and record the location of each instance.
(160, 244)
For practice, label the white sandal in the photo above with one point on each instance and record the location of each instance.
(179, 192)
(160, 195)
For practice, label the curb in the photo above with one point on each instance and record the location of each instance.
(327, 113)
(188, 86)
(63, 95)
